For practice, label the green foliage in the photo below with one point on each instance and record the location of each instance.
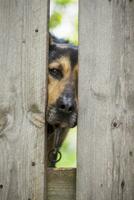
(55, 19)
(68, 150)
(63, 2)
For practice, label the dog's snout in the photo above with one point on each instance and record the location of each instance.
(66, 104)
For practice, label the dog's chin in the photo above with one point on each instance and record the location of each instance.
(62, 123)
(54, 119)
(67, 125)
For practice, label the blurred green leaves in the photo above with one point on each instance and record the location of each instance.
(68, 150)
(55, 19)
(63, 2)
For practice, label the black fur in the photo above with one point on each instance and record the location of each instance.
(61, 47)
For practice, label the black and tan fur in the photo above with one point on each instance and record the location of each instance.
(62, 88)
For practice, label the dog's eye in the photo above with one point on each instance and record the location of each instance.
(56, 73)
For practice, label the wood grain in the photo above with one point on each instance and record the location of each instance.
(106, 100)
(23, 36)
(61, 184)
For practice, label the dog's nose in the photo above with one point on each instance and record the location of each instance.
(66, 105)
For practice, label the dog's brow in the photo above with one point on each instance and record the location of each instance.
(65, 62)
(55, 65)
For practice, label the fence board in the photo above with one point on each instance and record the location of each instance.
(106, 101)
(61, 184)
(22, 92)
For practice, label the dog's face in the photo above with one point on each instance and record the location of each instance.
(62, 84)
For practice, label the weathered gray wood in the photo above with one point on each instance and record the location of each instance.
(61, 184)
(106, 101)
(23, 29)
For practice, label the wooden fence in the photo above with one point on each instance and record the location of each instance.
(105, 156)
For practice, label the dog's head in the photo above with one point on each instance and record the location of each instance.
(62, 83)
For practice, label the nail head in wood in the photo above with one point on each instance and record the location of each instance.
(131, 153)
(122, 184)
(1, 186)
(36, 30)
(33, 164)
(115, 123)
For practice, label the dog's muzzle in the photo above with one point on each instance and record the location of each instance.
(64, 112)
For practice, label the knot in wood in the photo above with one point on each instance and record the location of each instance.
(3, 121)
(36, 117)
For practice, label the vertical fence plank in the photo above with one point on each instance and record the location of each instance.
(106, 101)
(23, 36)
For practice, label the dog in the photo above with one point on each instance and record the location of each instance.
(62, 107)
